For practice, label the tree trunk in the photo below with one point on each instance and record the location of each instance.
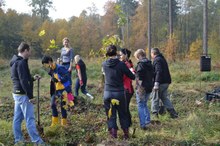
(205, 24)
(149, 29)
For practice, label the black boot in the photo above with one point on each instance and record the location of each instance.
(173, 113)
(126, 133)
(114, 133)
(162, 110)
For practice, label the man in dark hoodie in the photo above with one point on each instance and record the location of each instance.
(114, 98)
(144, 85)
(162, 79)
(22, 94)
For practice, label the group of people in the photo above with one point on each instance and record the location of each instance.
(60, 87)
(151, 79)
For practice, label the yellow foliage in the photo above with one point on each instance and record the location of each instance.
(42, 33)
(195, 49)
(171, 47)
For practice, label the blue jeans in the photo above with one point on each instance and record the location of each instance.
(24, 110)
(54, 106)
(83, 87)
(143, 111)
(67, 66)
(161, 94)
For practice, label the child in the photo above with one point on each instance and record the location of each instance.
(61, 79)
(81, 80)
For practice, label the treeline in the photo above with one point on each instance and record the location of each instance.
(125, 18)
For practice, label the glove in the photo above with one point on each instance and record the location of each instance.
(54, 80)
(156, 86)
(80, 82)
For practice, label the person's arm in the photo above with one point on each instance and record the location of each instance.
(23, 73)
(158, 73)
(127, 72)
(79, 74)
(139, 75)
(71, 60)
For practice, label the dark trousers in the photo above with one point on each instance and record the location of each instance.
(120, 109)
(128, 100)
(54, 106)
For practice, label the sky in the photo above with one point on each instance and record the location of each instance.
(64, 8)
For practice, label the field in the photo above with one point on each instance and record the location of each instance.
(198, 122)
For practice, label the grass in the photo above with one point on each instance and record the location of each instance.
(197, 124)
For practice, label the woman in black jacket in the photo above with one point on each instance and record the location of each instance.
(144, 85)
(114, 98)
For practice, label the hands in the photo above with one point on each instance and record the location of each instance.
(54, 80)
(32, 100)
(80, 82)
(37, 77)
(156, 86)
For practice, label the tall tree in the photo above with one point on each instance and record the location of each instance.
(109, 20)
(129, 9)
(2, 3)
(41, 8)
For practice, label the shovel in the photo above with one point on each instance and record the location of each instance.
(39, 127)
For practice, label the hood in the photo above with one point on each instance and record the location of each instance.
(14, 59)
(112, 62)
(160, 56)
(144, 62)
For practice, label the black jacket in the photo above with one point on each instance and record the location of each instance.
(114, 70)
(21, 77)
(144, 72)
(82, 66)
(161, 70)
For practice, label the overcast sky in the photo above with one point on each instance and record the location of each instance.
(64, 8)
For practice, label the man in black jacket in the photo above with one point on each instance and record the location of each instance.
(22, 94)
(162, 79)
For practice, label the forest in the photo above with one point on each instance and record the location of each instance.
(176, 28)
(127, 19)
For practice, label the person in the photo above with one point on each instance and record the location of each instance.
(67, 56)
(114, 98)
(129, 90)
(81, 80)
(23, 95)
(61, 81)
(162, 79)
(144, 85)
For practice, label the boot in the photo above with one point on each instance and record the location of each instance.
(162, 110)
(126, 133)
(155, 116)
(54, 121)
(114, 133)
(63, 122)
(173, 113)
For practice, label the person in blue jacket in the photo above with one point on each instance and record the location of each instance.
(61, 79)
